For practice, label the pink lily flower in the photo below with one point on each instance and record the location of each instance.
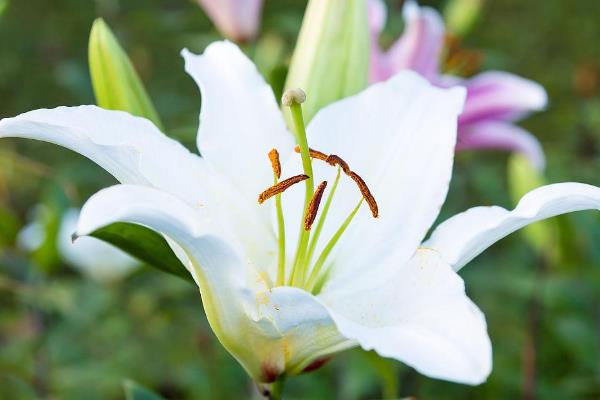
(237, 20)
(495, 99)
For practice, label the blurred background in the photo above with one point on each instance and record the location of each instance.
(66, 333)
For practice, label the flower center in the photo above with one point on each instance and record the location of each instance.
(304, 273)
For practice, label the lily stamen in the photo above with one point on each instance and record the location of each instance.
(335, 160)
(275, 164)
(316, 154)
(280, 187)
(313, 207)
(364, 189)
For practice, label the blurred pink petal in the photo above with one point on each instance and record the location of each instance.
(236, 19)
(493, 98)
(501, 96)
(419, 48)
(500, 135)
(377, 14)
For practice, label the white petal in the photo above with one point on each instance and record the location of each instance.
(464, 236)
(215, 266)
(420, 316)
(240, 121)
(291, 331)
(399, 136)
(150, 207)
(130, 148)
(269, 331)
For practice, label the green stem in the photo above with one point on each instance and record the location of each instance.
(317, 232)
(297, 275)
(330, 245)
(277, 389)
(389, 383)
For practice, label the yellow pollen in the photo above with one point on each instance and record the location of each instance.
(275, 164)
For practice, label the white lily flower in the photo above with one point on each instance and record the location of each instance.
(280, 298)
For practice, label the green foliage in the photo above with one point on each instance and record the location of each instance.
(116, 83)
(52, 205)
(144, 244)
(3, 6)
(135, 391)
(461, 15)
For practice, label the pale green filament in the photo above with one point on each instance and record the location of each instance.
(297, 275)
(306, 245)
(317, 232)
(314, 275)
(281, 239)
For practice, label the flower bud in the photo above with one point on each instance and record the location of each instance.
(331, 59)
(116, 83)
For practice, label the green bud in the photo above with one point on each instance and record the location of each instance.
(116, 84)
(461, 15)
(3, 6)
(331, 59)
(522, 178)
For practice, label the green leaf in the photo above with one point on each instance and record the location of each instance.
(331, 59)
(135, 391)
(144, 244)
(116, 84)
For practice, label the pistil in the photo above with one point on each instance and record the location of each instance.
(293, 99)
